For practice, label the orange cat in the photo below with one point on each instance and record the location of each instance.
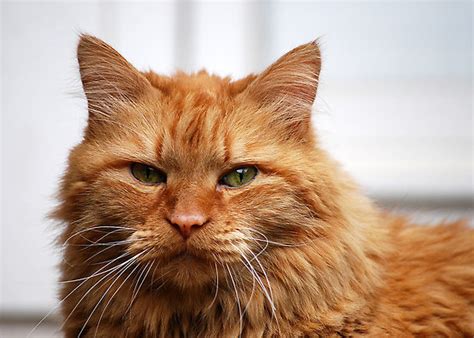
(198, 206)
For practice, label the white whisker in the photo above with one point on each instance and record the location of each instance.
(110, 299)
(237, 299)
(96, 228)
(98, 272)
(120, 266)
(84, 280)
(217, 285)
(136, 289)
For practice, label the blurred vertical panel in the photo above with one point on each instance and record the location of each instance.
(223, 43)
(2, 250)
(143, 32)
(184, 34)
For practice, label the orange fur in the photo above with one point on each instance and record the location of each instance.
(297, 252)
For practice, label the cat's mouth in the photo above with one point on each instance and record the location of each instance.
(188, 256)
(185, 256)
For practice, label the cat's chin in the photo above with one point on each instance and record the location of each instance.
(187, 260)
(186, 270)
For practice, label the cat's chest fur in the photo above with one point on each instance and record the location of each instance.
(169, 315)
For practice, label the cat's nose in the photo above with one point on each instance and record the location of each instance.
(186, 222)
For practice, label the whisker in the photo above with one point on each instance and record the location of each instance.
(115, 278)
(262, 250)
(84, 280)
(289, 245)
(96, 273)
(237, 299)
(97, 228)
(93, 244)
(104, 236)
(268, 295)
(120, 266)
(269, 287)
(112, 297)
(252, 292)
(217, 285)
(98, 253)
(135, 292)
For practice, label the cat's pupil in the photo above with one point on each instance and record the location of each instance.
(241, 173)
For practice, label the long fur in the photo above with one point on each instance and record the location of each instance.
(297, 252)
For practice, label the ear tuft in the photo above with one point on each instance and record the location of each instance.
(106, 76)
(288, 87)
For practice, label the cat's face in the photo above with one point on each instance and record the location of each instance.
(192, 174)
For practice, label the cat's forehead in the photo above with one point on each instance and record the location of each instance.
(183, 84)
(196, 121)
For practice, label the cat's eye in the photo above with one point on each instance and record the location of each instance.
(239, 176)
(147, 174)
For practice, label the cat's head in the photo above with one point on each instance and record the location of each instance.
(194, 173)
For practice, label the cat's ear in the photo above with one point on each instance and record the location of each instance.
(287, 89)
(107, 78)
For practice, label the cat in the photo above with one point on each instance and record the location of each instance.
(199, 206)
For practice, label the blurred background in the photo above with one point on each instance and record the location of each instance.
(394, 104)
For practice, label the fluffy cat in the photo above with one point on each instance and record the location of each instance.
(198, 206)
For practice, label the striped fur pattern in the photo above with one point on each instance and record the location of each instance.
(297, 252)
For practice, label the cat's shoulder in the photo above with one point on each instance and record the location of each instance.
(446, 242)
(429, 279)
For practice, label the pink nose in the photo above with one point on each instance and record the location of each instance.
(185, 222)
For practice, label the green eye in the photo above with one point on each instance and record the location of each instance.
(147, 174)
(239, 177)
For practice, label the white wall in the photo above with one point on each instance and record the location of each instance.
(395, 102)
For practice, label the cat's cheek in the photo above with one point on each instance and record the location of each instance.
(115, 201)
